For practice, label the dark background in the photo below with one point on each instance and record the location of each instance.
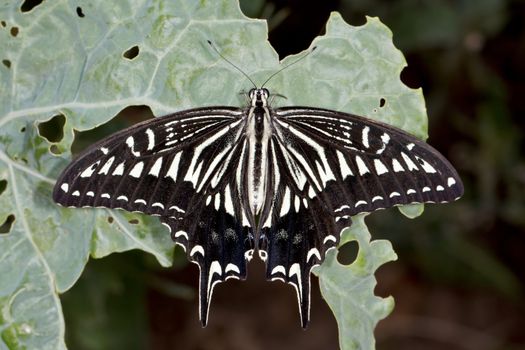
(458, 282)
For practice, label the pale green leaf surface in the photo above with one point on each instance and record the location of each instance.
(357, 315)
(63, 64)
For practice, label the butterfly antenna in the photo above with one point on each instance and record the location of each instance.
(291, 64)
(233, 65)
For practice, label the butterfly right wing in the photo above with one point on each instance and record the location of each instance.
(182, 168)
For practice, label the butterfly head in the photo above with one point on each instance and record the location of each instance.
(259, 97)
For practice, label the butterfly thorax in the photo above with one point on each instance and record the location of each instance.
(258, 134)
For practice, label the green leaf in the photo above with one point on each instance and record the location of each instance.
(349, 290)
(60, 63)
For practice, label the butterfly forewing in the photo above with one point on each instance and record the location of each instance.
(371, 165)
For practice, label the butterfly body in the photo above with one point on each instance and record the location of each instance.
(283, 183)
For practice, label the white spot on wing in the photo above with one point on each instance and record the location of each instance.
(174, 167)
(232, 267)
(64, 187)
(157, 204)
(263, 255)
(228, 202)
(137, 170)
(285, 205)
(197, 249)
(343, 165)
(380, 167)
(131, 144)
(377, 198)
(364, 136)
(104, 170)
(151, 139)
(358, 203)
(278, 269)
(248, 255)
(427, 167)
(312, 252)
(409, 162)
(426, 189)
(344, 206)
(411, 191)
(122, 198)
(90, 170)
(397, 166)
(119, 170)
(176, 208)
(90, 194)
(105, 195)
(217, 201)
(361, 166)
(140, 201)
(451, 181)
(76, 194)
(395, 194)
(182, 234)
(439, 188)
(297, 203)
(329, 238)
(155, 169)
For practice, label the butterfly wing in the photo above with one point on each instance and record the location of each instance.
(180, 167)
(332, 166)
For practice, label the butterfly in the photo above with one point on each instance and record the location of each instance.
(230, 183)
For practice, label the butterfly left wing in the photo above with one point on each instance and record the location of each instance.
(180, 167)
(327, 166)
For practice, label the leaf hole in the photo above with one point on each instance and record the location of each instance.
(14, 31)
(3, 23)
(28, 5)
(409, 77)
(23, 129)
(131, 53)
(3, 186)
(348, 253)
(134, 221)
(53, 129)
(7, 63)
(55, 150)
(8, 223)
(110, 219)
(79, 12)
(382, 102)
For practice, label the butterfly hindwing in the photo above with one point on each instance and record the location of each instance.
(216, 235)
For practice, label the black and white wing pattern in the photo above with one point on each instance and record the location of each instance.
(181, 168)
(325, 167)
(228, 182)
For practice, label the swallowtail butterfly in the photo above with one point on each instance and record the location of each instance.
(281, 183)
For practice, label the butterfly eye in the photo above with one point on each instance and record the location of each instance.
(266, 92)
(251, 93)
